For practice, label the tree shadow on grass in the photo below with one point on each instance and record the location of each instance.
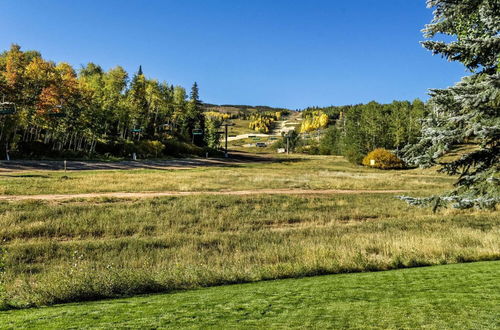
(26, 176)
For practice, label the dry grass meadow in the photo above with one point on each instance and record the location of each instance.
(87, 249)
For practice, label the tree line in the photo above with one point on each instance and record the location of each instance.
(49, 108)
(359, 129)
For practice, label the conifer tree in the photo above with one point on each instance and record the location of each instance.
(195, 117)
(195, 94)
(138, 100)
(468, 112)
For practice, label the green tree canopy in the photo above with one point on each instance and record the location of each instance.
(467, 113)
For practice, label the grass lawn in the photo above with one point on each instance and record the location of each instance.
(461, 296)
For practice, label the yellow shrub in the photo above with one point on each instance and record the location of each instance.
(382, 158)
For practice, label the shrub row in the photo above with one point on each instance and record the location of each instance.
(119, 148)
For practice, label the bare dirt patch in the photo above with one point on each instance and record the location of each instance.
(152, 194)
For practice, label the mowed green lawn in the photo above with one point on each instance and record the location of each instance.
(462, 296)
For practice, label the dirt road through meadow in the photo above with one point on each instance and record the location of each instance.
(152, 194)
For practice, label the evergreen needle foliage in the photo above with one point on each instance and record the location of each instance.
(467, 113)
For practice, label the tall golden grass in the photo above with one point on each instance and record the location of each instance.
(92, 249)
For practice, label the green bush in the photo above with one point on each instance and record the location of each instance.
(40, 150)
(175, 147)
(383, 159)
(329, 143)
(129, 147)
(148, 149)
(310, 147)
(118, 148)
(353, 153)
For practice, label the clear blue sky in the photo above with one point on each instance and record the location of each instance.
(275, 52)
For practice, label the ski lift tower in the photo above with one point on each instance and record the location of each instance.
(226, 124)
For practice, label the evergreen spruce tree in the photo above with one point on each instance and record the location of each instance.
(138, 100)
(195, 94)
(468, 112)
(195, 117)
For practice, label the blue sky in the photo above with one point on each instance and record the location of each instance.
(276, 52)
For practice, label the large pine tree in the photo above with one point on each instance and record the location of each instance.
(139, 102)
(195, 117)
(467, 113)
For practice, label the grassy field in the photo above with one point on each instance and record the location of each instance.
(241, 142)
(240, 127)
(464, 296)
(242, 145)
(304, 172)
(87, 249)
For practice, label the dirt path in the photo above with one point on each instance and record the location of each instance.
(152, 194)
(281, 125)
(247, 135)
